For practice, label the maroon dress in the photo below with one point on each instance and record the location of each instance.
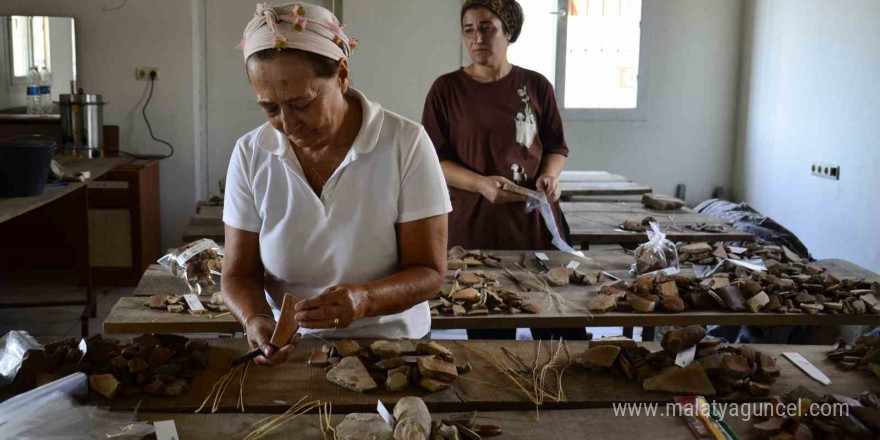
(489, 128)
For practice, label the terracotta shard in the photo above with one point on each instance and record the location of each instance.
(468, 295)
(350, 373)
(640, 304)
(105, 385)
(758, 389)
(437, 369)
(530, 307)
(286, 326)
(397, 382)
(757, 302)
(736, 367)
(661, 202)
(691, 380)
(469, 278)
(618, 341)
(432, 385)
(602, 303)
(602, 356)
(676, 340)
(158, 301)
(347, 347)
(732, 297)
(434, 348)
(318, 358)
(558, 276)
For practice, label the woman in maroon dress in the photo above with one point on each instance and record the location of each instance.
(495, 123)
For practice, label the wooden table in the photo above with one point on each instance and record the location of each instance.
(130, 316)
(205, 227)
(11, 208)
(209, 211)
(598, 183)
(273, 390)
(516, 425)
(599, 223)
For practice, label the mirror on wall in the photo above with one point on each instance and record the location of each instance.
(47, 43)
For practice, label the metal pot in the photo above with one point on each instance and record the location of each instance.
(82, 125)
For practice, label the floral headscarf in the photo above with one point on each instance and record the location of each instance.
(302, 26)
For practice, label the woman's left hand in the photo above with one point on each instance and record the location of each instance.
(549, 183)
(335, 308)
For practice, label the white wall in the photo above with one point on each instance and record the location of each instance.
(110, 44)
(688, 132)
(810, 93)
(404, 46)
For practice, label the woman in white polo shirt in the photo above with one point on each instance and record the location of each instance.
(334, 200)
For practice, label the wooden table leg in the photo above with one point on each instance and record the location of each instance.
(81, 208)
(628, 332)
(647, 333)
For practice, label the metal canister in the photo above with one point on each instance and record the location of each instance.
(82, 125)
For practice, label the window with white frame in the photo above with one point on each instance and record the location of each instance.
(29, 44)
(590, 50)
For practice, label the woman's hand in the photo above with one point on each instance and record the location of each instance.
(549, 183)
(335, 308)
(490, 188)
(259, 333)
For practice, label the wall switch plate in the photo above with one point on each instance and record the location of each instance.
(143, 73)
(825, 170)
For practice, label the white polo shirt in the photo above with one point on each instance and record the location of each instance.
(391, 175)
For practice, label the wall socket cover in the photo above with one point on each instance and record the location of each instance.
(143, 73)
(826, 170)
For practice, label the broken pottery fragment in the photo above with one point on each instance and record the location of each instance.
(157, 301)
(433, 347)
(397, 382)
(757, 302)
(347, 347)
(661, 202)
(413, 419)
(676, 340)
(602, 356)
(437, 369)
(359, 426)
(350, 373)
(618, 341)
(469, 295)
(691, 380)
(732, 297)
(432, 385)
(602, 303)
(105, 385)
(558, 276)
(640, 304)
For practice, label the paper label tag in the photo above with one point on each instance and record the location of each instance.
(166, 430)
(685, 357)
(573, 265)
(385, 414)
(193, 302)
(202, 245)
(737, 250)
(541, 256)
(807, 367)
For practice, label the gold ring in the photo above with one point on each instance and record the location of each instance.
(335, 322)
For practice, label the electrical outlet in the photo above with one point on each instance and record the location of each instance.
(825, 170)
(143, 73)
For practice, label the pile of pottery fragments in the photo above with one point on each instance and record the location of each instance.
(788, 286)
(716, 369)
(851, 419)
(396, 364)
(177, 304)
(863, 354)
(157, 364)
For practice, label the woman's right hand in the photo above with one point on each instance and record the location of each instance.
(490, 188)
(259, 334)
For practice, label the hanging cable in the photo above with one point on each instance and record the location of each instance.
(150, 128)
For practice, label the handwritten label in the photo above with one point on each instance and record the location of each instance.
(166, 430)
(573, 265)
(385, 414)
(194, 304)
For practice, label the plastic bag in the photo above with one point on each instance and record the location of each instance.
(48, 413)
(538, 200)
(13, 346)
(657, 253)
(198, 263)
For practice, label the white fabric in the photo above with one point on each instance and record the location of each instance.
(391, 175)
(273, 27)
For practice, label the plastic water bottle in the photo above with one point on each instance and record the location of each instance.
(46, 91)
(33, 92)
